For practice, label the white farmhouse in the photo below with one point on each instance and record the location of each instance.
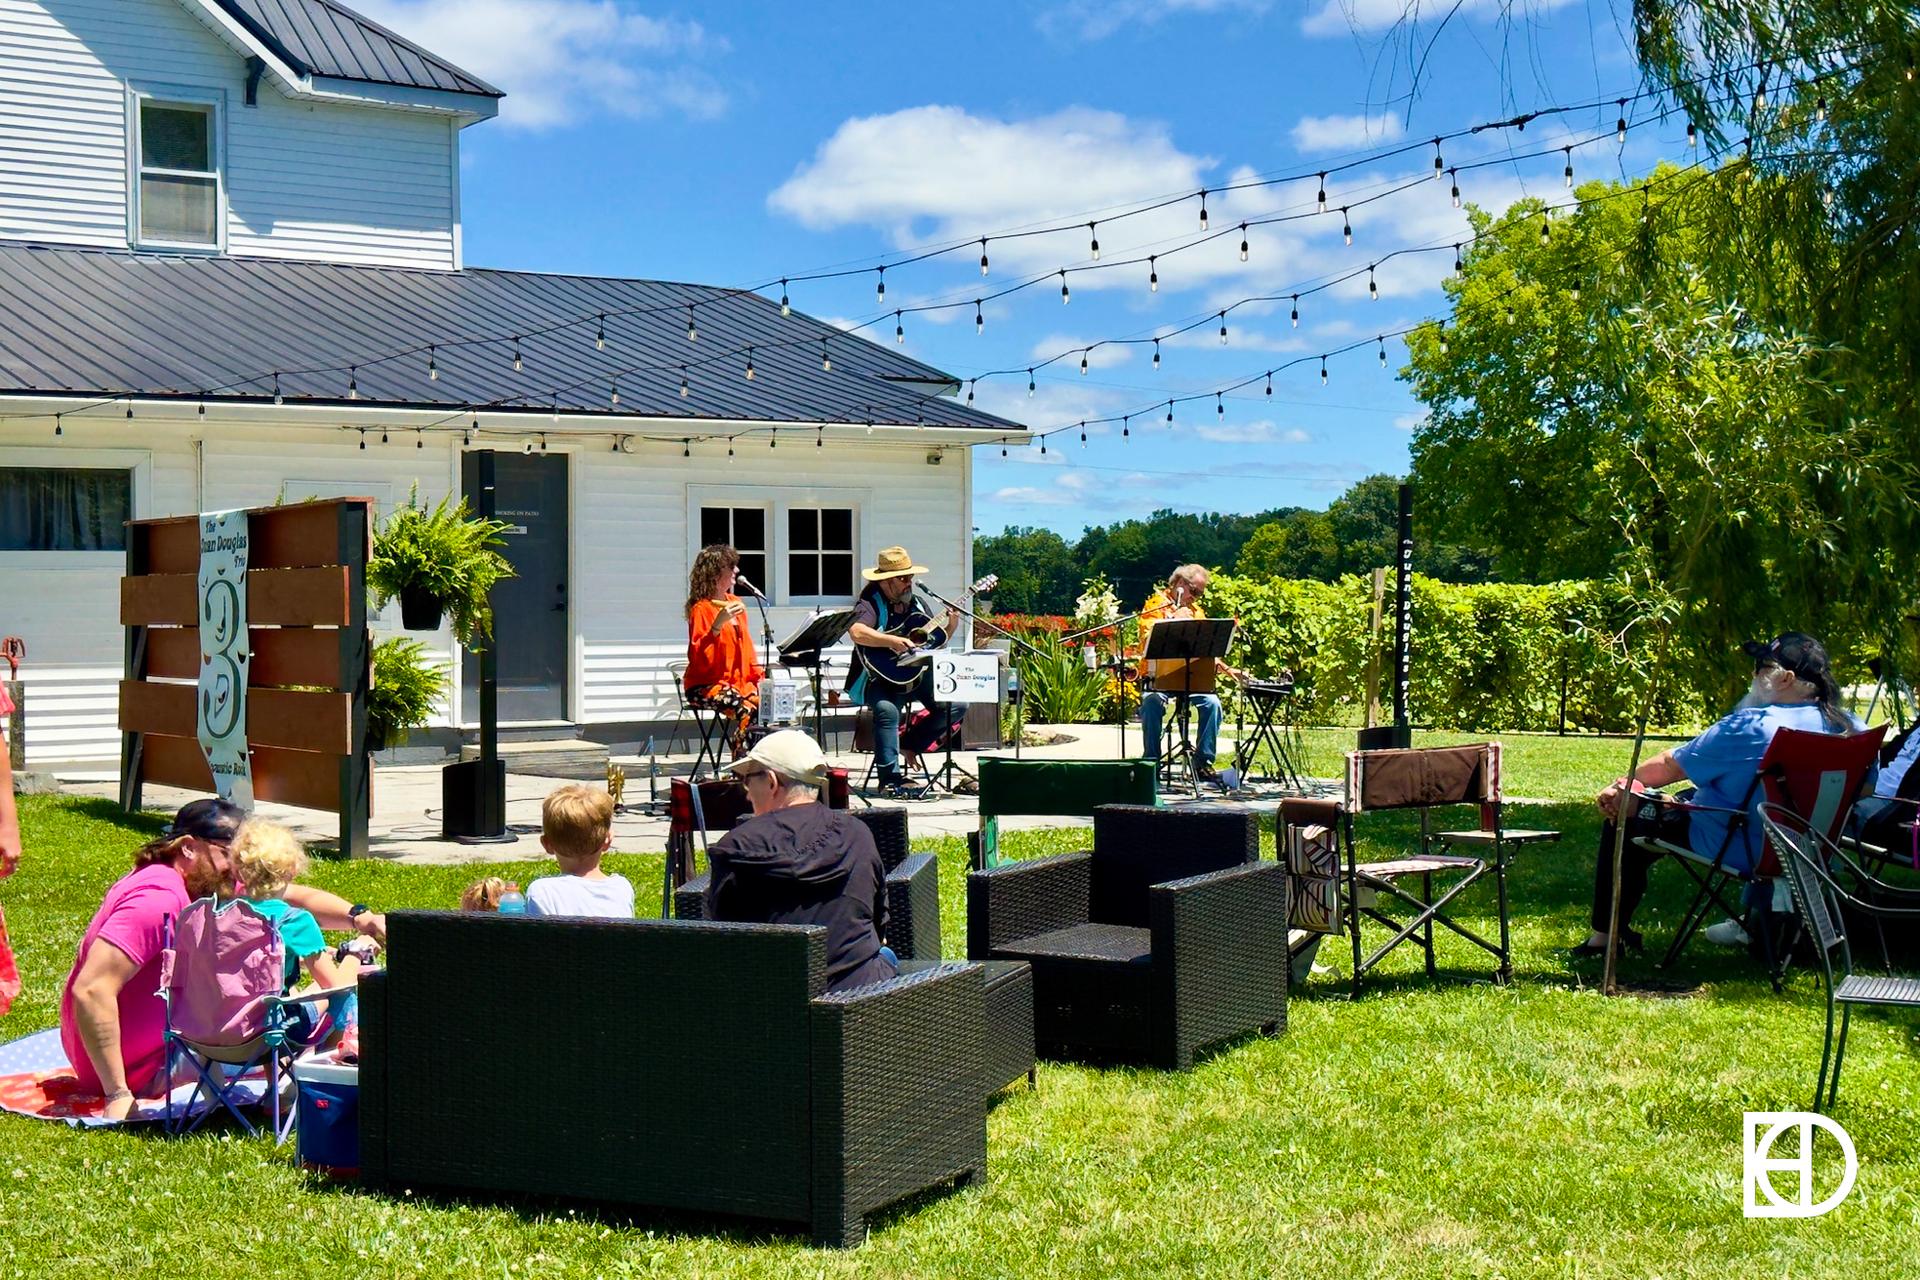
(231, 274)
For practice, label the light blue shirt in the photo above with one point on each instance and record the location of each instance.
(1722, 764)
(1891, 777)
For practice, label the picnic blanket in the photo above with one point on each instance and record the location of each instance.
(36, 1081)
(9, 972)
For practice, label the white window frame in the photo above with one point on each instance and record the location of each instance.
(777, 501)
(138, 463)
(215, 101)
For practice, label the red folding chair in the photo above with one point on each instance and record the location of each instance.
(1814, 776)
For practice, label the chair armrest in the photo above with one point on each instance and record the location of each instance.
(1219, 954)
(690, 899)
(899, 1091)
(1020, 899)
(309, 997)
(913, 907)
(374, 1097)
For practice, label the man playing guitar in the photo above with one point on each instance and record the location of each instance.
(887, 600)
(1180, 598)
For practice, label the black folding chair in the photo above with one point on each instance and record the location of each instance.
(1819, 898)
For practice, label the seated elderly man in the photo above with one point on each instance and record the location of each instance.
(112, 1021)
(796, 861)
(1179, 601)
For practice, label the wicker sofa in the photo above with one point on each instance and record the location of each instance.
(1165, 937)
(913, 888)
(675, 1065)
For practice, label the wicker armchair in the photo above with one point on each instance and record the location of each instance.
(913, 888)
(668, 1064)
(1166, 937)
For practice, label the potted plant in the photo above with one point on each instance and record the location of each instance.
(439, 560)
(405, 688)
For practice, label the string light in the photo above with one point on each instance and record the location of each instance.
(880, 289)
(363, 439)
(1458, 265)
(433, 366)
(1126, 427)
(1454, 174)
(1029, 384)
(983, 255)
(615, 448)
(419, 439)
(1439, 165)
(1296, 311)
(1382, 340)
(826, 360)
(1510, 316)
(1156, 355)
(600, 334)
(1820, 109)
(979, 317)
(1219, 406)
(1223, 328)
(1043, 446)
(729, 448)
(1373, 289)
(820, 436)
(1620, 125)
(1003, 448)
(1569, 169)
(1153, 273)
(685, 390)
(1346, 224)
(556, 414)
(1269, 382)
(203, 408)
(129, 408)
(1442, 327)
(686, 448)
(353, 383)
(970, 386)
(1323, 193)
(1203, 208)
(1323, 371)
(899, 328)
(383, 435)
(1546, 233)
(749, 364)
(1169, 413)
(693, 330)
(1093, 230)
(1066, 294)
(613, 393)
(1243, 242)
(516, 355)
(773, 438)
(1083, 433)
(57, 428)
(1693, 135)
(1083, 360)
(277, 399)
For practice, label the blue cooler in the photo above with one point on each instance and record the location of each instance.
(328, 1116)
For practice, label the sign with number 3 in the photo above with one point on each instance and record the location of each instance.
(222, 703)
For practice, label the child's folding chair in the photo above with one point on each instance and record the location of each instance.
(221, 975)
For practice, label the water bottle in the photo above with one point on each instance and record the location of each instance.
(513, 903)
(1090, 655)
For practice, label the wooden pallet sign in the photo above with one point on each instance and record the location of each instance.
(304, 658)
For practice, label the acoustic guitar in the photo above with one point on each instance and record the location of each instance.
(903, 670)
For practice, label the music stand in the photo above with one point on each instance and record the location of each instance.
(1196, 643)
(803, 649)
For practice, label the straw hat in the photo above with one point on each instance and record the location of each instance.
(892, 562)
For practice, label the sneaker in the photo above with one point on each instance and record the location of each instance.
(1728, 933)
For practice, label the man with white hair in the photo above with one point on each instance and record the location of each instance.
(796, 861)
(1180, 599)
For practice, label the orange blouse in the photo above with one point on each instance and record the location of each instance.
(727, 658)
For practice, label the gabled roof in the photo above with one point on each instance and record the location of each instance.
(107, 323)
(321, 38)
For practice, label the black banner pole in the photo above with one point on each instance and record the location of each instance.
(1403, 621)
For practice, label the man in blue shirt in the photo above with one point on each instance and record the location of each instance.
(1792, 688)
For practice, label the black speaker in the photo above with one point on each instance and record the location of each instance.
(1386, 737)
(473, 801)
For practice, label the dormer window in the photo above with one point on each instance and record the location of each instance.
(177, 188)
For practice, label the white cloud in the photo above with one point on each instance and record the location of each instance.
(561, 60)
(1251, 433)
(1370, 17)
(1109, 356)
(1410, 421)
(1344, 133)
(1098, 19)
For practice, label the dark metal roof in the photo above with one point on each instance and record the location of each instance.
(321, 38)
(113, 323)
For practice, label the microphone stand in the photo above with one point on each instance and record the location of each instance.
(766, 631)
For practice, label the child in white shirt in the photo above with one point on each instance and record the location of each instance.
(576, 827)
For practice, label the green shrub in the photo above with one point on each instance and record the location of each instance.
(1055, 681)
(405, 688)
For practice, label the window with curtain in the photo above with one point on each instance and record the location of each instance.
(64, 508)
(179, 188)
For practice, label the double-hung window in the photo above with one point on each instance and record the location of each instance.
(176, 193)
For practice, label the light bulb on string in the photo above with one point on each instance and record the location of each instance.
(1156, 355)
(129, 408)
(970, 386)
(1223, 328)
(820, 436)
(685, 389)
(363, 439)
(1296, 311)
(57, 429)
(1439, 165)
(1219, 406)
(419, 439)
(203, 407)
(1381, 339)
(979, 317)
(899, 329)
(686, 448)
(826, 360)
(615, 446)
(556, 409)
(1454, 174)
(1693, 135)
(1546, 233)
(1003, 448)
(1093, 249)
(693, 330)
(1243, 242)
(1620, 125)
(1510, 315)
(1568, 173)
(1820, 109)
(600, 334)
(1029, 384)
(277, 398)
(1373, 287)
(773, 438)
(353, 384)
(1458, 265)
(1083, 360)
(1442, 327)
(1203, 208)
(880, 289)
(786, 307)
(383, 435)
(1346, 224)
(543, 442)
(729, 448)
(1826, 198)
(1323, 371)
(613, 393)
(1066, 294)
(1083, 434)
(1269, 382)
(1169, 413)
(1323, 193)
(1760, 91)
(1153, 273)
(433, 366)
(749, 364)
(1574, 289)
(983, 256)
(516, 355)
(1126, 427)
(1043, 446)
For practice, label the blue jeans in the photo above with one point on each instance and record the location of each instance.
(889, 705)
(1153, 711)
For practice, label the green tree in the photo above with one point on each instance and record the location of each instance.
(1038, 570)
(1300, 546)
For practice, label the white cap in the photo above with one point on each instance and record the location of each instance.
(789, 753)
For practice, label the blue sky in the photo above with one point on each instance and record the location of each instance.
(737, 142)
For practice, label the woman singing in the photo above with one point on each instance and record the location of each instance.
(722, 672)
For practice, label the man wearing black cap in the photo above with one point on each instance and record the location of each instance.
(1792, 688)
(112, 1022)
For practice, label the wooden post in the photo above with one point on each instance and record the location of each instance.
(133, 744)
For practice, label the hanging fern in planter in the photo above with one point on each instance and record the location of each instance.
(405, 688)
(439, 559)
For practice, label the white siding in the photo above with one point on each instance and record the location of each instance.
(303, 180)
(630, 547)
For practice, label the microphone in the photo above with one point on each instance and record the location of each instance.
(746, 588)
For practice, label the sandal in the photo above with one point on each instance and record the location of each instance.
(1629, 940)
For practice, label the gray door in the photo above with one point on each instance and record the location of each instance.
(530, 608)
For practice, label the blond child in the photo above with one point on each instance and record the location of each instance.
(485, 894)
(576, 828)
(266, 858)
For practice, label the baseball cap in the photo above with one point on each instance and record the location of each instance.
(787, 752)
(209, 819)
(1793, 651)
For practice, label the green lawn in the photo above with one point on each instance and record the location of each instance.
(1538, 766)
(1430, 1129)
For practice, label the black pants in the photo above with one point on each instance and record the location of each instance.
(1645, 820)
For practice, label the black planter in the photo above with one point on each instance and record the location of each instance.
(420, 610)
(376, 738)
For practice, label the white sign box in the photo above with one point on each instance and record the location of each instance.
(966, 677)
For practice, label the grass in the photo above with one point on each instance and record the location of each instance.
(1448, 1128)
(1538, 766)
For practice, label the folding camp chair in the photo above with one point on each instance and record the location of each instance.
(1807, 855)
(1426, 778)
(221, 973)
(1815, 776)
(710, 725)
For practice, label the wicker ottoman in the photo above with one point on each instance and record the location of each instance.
(1009, 1020)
